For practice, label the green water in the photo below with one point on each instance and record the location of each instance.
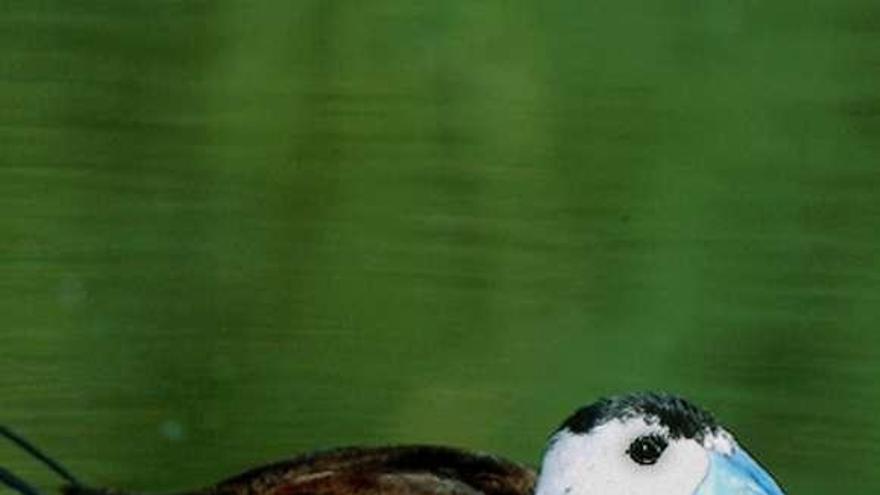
(235, 231)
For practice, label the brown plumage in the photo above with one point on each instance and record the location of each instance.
(405, 470)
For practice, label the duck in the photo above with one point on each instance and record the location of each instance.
(643, 443)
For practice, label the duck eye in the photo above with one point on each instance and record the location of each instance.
(647, 449)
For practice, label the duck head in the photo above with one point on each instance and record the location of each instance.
(648, 444)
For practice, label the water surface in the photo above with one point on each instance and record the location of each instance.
(235, 232)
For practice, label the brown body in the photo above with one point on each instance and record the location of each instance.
(409, 470)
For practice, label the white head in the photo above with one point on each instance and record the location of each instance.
(648, 444)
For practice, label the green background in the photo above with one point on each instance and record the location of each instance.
(235, 231)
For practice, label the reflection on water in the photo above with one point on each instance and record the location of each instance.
(233, 233)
